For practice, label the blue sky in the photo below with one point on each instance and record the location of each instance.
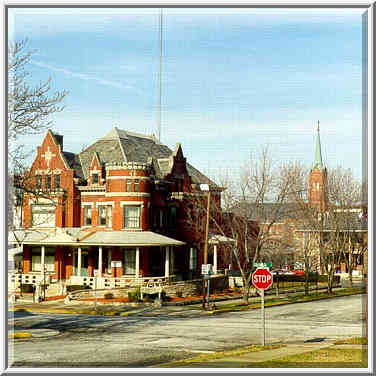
(233, 79)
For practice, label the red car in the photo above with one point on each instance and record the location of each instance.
(297, 272)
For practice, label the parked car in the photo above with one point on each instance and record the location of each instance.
(281, 272)
(297, 272)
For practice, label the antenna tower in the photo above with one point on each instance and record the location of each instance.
(160, 74)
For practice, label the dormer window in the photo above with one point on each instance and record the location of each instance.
(94, 179)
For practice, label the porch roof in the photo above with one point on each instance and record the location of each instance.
(216, 239)
(78, 237)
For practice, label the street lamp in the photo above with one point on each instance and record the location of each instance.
(205, 187)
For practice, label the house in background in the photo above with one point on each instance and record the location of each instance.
(122, 209)
(289, 228)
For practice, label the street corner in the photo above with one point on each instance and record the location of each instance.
(32, 333)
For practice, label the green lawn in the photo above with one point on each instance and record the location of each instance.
(295, 298)
(323, 358)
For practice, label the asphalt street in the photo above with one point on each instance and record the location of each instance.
(155, 337)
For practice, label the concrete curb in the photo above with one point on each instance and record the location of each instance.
(125, 313)
(276, 304)
(32, 333)
(234, 361)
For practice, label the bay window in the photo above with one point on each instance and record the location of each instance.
(105, 215)
(132, 216)
(87, 215)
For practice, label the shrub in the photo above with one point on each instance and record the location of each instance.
(72, 288)
(108, 295)
(134, 295)
(26, 288)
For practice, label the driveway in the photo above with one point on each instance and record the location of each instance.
(154, 337)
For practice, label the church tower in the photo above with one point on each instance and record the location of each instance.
(318, 179)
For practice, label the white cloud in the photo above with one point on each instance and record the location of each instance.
(39, 21)
(84, 76)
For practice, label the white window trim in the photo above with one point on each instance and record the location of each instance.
(105, 203)
(140, 217)
(92, 204)
(132, 203)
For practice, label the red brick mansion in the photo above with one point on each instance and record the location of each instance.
(117, 210)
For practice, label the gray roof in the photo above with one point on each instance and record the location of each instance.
(79, 237)
(266, 212)
(121, 146)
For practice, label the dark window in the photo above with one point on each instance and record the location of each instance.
(39, 181)
(48, 181)
(173, 212)
(129, 261)
(128, 185)
(94, 179)
(87, 215)
(57, 181)
(136, 185)
(105, 215)
(161, 218)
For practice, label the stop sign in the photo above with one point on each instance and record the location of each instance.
(262, 279)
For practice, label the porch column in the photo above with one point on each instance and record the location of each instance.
(137, 262)
(215, 259)
(171, 260)
(79, 260)
(100, 261)
(191, 259)
(21, 266)
(42, 253)
(167, 262)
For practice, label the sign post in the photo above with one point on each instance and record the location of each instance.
(95, 289)
(207, 271)
(262, 279)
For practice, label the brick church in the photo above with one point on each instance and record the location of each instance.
(119, 210)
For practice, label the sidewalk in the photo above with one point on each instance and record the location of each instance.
(251, 359)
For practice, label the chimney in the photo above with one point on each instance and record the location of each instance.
(59, 140)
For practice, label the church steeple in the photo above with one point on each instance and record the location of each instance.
(318, 158)
(318, 179)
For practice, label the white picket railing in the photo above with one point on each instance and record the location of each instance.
(15, 280)
(114, 282)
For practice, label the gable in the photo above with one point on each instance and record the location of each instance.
(49, 156)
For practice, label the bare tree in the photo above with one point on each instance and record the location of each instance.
(330, 235)
(254, 205)
(29, 110)
(29, 107)
(343, 222)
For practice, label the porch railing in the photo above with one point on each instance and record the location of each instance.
(116, 282)
(15, 280)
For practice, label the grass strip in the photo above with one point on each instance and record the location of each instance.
(322, 358)
(300, 298)
(352, 341)
(223, 354)
(68, 311)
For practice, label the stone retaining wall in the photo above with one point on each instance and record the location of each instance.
(181, 288)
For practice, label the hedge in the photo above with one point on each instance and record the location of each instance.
(301, 278)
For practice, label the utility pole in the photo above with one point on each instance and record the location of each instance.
(206, 249)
